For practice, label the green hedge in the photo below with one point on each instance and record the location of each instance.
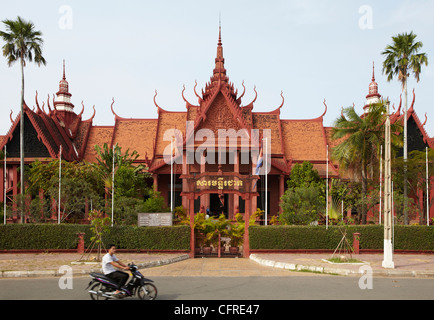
(317, 237)
(64, 236)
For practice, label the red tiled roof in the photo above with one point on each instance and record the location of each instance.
(98, 135)
(136, 134)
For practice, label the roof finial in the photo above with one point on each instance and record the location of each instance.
(64, 78)
(373, 76)
(220, 29)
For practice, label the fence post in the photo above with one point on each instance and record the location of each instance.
(356, 242)
(80, 247)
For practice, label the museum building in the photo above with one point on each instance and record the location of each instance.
(231, 137)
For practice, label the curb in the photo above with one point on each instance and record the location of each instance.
(341, 271)
(59, 273)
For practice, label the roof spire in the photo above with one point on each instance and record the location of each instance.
(63, 100)
(220, 30)
(373, 96)
(219, 72)
(63, 84)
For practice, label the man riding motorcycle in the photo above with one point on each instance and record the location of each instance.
(109, 262)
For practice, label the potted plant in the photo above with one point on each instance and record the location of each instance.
(180, 216)
(222, 229)
(236, 234)
(199, 228)
(208, 228)
(255, 216)
(212, 228)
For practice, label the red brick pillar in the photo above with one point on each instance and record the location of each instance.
(80, 247)
(281, 189)
(356, 239)
(246, 244)
(191, 213)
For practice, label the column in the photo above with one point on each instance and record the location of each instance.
(204, 203)
(14, 189)
(281, 189)
(253, 199)
(185, 202)
(246, 245)
(388, 246)
(191, 213)
(155, 176)
(2, 190)
(236, 201)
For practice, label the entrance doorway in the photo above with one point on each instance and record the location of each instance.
(216, 207)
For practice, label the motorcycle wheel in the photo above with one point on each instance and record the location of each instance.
(147, 292)
(97, 287)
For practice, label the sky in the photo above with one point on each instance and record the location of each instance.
(310, 50)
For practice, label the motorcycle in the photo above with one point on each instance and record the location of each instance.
(102, 287)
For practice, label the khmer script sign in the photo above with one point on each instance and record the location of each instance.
(219, 183)
(154, 219)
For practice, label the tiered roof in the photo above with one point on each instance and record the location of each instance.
(59, 126)
(219, 106)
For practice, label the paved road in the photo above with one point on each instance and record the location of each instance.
(236, 288)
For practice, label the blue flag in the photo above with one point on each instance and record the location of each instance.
(259, 165)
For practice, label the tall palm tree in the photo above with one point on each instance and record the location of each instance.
(361, 138)
(23, 44)
(401, 58)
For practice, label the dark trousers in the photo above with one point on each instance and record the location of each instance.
(119, 277)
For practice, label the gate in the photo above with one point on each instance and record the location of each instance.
(220, 183)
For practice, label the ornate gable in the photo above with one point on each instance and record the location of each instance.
(219, 116)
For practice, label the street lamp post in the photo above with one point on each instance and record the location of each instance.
(388, 247)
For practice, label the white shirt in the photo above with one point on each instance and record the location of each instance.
(107, 267)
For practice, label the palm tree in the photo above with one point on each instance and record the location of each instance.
(23, 44)
(401, 58)
(361, 138)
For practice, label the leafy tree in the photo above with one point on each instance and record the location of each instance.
(362, 135)
(301, 205)
(126, 210)
(155, 203)
(74, 193)
(23, 43)
(303, 175)
(99, 225)
(401, 58)
(416, 174)
(130, 180)
(304, 199)
(79, 184)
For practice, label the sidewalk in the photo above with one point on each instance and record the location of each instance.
(406, 265)
(49, 265)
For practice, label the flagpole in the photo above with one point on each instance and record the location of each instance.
(4, 185)
(427, 188)
(60, 183)
(393, 221)
(342, 210)
(266, 180)
(171, 175)
(381, 178)
(327, 190)
(113, 183)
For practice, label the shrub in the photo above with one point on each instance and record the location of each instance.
(64, 236)
(318, 237)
